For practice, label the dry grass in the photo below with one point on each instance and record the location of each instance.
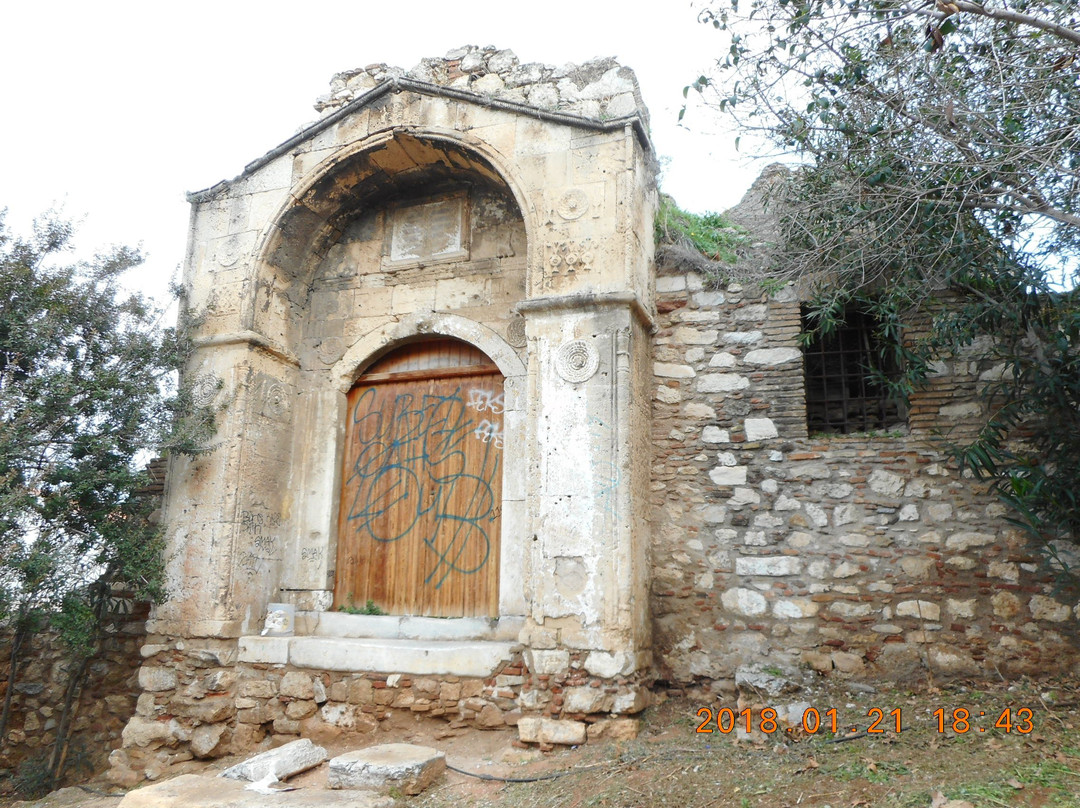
(670, 764)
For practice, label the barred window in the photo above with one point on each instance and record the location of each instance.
(841, 394)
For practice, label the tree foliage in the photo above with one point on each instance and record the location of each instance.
(939, 154)
(82, 368)
(87, 388)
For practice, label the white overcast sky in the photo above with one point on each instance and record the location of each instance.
(112, 110)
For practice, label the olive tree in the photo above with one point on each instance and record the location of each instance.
(87, 390)
(937, 147)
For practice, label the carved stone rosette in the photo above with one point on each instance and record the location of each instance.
(577, 361)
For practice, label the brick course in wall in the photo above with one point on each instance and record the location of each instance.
(867, 555)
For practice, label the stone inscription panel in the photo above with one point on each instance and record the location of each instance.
(430, 231)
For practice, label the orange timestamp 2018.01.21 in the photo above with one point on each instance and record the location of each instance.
(878, 721)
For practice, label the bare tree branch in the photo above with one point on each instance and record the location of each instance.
(1008, 15)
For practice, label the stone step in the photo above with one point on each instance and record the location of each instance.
(415, 657)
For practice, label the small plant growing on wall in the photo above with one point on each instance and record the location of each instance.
(368, 608)
(707, 243)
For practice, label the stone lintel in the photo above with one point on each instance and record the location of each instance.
(405, 766)
(217, 629)
(283, 762)
(270, 650)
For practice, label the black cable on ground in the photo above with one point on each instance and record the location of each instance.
(536, 779)
(100, 793)
(620, 761)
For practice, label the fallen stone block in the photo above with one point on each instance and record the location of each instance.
(285, 761)
(754, 677)
(394, 765)
(533, 729)
(615, 729)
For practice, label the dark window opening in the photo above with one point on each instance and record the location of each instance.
(842, 395)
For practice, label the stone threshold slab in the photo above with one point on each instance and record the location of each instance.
(189, 790)
(392, 627)
(414, 657)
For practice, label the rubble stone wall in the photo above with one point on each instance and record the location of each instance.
(197, 702)
(600, 89)
(869, 555)
(105, 703)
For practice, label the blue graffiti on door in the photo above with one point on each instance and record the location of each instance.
(411, 480)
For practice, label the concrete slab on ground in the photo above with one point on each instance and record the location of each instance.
(213, 792)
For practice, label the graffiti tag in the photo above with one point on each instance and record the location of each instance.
(410, 476)
(486, 400)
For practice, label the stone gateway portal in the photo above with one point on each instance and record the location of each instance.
(425, 321)
(421, 495)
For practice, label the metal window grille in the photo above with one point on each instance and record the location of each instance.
(841, 395)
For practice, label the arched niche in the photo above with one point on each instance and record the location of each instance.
(346, 220)
(340, 290)
(310, 310)
(329, 435)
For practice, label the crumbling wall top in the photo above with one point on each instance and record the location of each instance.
(600, 89)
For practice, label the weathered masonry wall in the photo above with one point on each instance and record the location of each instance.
(510, 207)
(868, 555)
(292, 269)
(195, 704)
(471, 200)
(105, 702)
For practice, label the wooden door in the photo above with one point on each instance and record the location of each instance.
(421, 494)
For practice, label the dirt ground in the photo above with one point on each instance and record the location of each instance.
(1030, 758)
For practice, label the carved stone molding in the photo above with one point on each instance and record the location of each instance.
(273, 398)
(565, 259)
(228, 251)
